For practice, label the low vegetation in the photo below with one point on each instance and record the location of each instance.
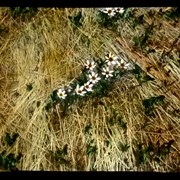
(89, 89)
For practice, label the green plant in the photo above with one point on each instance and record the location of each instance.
(3, 30)
(91, 148)
(29, 86)
(11, 139)
(76, 20)
(106, 21)
(23, 12)
(174, 13)
(109, 17)
(142, 153)
(152, 152)
(116, 118)
(96, 80)
(151, 102)
(137, 21)
(9, 162)
(124, 147)
(143, 40)
(108, 142)
(163, 150)
(59, 155)
(140, 75)
(87, 128)
(130, 17)
(102, 88)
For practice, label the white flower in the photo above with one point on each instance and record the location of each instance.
(90, 65)
(61, 93)
(88, 86)
(109, 11)
(119, 10)
(69, 88)
(111, 59)
(94, 77)
(106, 72)
(80, 90)
(122, 64)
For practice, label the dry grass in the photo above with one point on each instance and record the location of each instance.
(47, 52)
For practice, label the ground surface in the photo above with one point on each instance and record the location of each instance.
(47, 49)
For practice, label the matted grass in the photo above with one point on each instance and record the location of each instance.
(46, 53)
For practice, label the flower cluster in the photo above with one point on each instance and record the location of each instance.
(112, 11)
(111, 64)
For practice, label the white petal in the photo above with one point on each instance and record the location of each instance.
(122, 61)
(104, 69)
(116, 57)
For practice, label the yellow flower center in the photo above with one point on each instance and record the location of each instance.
(109, 11)
(79, 91)
(93, 78)
(122, 64)
(110, 59)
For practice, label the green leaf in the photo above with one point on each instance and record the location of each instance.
(76, 19)
(29, 87)
(122, 124)
(137, 70)
(148, 103)
(141, 154)
(87, 128)
(10, 140)
(61, 153)
(91, 150)
(63, 161)
(137, 20)
(174, 13)
(151, 102)
(54, 96)
(140, 75)
(124, 147)
(24, 12)
(9, 162)
(164, 149)
(48, 106)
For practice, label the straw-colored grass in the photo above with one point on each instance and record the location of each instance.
(48, 53)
